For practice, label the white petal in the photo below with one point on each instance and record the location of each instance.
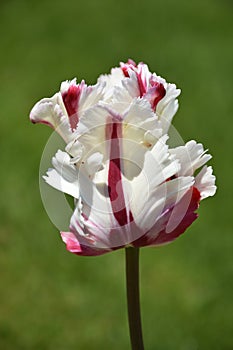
(54, 179)
(191, 156)
(131, 84)
(76, 150)
(90, 97)
(205, 182)
(118, 101)
(94, 163)
(111, 81)
(91, 133)
(140, 122)
(64, 176)
(158, 165)
(138, 112)
(61, 163)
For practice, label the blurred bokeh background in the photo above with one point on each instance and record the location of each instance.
(51, 299)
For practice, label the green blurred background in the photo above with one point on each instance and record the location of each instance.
(51, 299)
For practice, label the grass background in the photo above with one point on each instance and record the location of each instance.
(51, 299)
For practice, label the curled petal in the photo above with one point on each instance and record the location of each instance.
(155, 93)
(52, 112)
(205, 182)
(63, 111)
(192, 156)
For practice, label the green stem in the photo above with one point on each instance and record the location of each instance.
(133, 299)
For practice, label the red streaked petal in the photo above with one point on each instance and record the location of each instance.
(188, 218)
(130, 65)
(141, 71)
(155, 93)
(48, 111)
(182, 216)
(142, 79)
(115, 187)
(71, 99)
(72, 244)
(75, 247)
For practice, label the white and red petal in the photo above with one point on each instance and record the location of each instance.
(52, 112)
(155, 93)
(116, 212)
(78, 98)
(140, 131)
(44, 111)
(179, 217)
(139, 77)
(130, 84)
(95, 222)
(82, 247)
(140, 82)
(167, 106)
(63, 111)
(71, 92)
(152, 193)
(130, 65)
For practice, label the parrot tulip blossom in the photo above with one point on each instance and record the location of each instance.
(129, 187)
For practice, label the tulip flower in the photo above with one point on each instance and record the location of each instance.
(130, 188)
